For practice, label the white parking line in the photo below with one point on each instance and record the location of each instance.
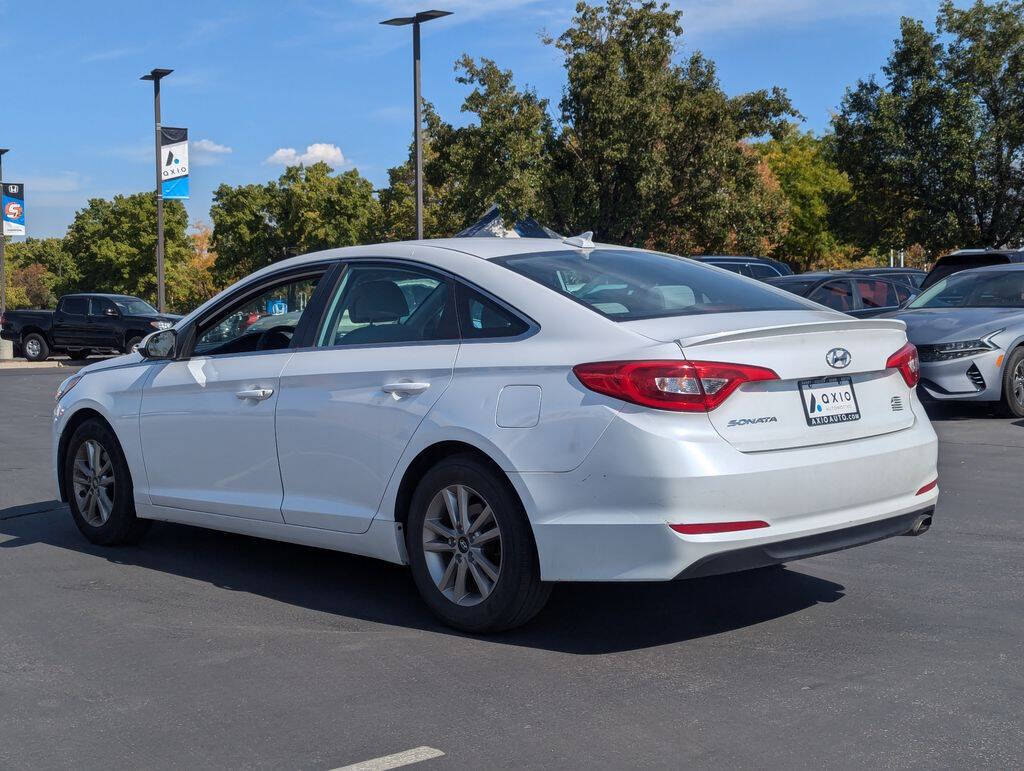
(399, 759)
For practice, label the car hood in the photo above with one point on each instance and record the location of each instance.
(127, 360)
(940, 325)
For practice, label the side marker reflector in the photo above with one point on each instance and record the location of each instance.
(930, 486)
(703, 528)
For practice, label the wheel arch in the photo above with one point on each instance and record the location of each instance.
(70, 426)
(33, 330)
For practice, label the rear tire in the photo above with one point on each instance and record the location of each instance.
(34, 347)
(1012, 404)
(477, 570)
(98, 487)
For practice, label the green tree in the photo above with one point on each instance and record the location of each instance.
(815, 190)
(306, 209)
(654, 153)
(59, 269)
(113, 243)
(935, 154)
(501, 158)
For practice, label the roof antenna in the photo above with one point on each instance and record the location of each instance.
(582, 241)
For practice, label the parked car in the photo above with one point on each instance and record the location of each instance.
(755, 267)
(505, 413)
(968, 329)
(83, 324)
(854, 293)
(912, 277)
(965, 259)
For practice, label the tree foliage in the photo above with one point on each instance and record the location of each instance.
(935, 153)
(306, 209)
(113, 243)
(651, 152)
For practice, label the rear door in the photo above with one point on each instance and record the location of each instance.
(352, 400)
(70, 322)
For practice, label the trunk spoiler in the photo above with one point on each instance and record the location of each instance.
(754, 333)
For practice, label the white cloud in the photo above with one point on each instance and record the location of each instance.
(206, 152)
(62, 182)
(109, 54)
(318, 151)
(702, 17)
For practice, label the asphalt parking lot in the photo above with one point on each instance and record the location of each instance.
(207, 650)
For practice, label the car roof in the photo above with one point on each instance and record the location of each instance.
(885, 269)
(105, 295)
(1013, 267)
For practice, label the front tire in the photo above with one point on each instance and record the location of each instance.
(1012, 404)
(98, 487)
(34, 347)
(471, 548)
(132, 345)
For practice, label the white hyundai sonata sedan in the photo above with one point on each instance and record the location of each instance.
(501, 414)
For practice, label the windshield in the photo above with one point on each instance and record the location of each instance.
(133, 306)
(628, 285)
(974, 289)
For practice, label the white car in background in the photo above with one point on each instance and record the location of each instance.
(505, 413)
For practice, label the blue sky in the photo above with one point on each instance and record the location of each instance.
(261, 83)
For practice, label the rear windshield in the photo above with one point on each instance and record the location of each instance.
(954, 263)
(629, 285)
(796, 287)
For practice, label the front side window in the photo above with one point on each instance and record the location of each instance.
(98, 306)
(837, 295)
(759, 270)
(972, 289)
(376, 304)
(627, 285)
(264, 321)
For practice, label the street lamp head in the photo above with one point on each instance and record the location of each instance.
(419, 18)
(156, 74)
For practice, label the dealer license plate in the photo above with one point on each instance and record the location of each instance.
(829, 400)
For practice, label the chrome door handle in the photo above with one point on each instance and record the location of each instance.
(404, 389)
(256, 394)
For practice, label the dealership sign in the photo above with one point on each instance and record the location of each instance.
(13, 208)
(174, 162)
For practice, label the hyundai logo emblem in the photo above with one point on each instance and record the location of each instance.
(838, 358)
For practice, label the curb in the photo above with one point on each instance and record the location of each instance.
(5, 365)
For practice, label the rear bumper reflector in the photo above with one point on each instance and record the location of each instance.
(930, 486)
(703, 528)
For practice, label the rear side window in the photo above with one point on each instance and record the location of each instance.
(481, 317)
(628, 285)
(75, 305)
(758, 270)
(837, 295)
(876, 294)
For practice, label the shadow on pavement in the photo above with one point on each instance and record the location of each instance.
(580, 618)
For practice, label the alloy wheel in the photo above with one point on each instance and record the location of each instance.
(462, 545)
(32, 349)
(1018, 382)
(93, 482)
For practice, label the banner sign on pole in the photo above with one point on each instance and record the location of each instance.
(174, 162)
(12, 205)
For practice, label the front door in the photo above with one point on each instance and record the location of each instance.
(207, 422)
(103, 323)
(350, 405)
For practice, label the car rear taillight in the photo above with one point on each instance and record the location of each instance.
(681, 386)
(703, 528)
(907, 362)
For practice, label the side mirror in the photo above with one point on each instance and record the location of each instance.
(111, 312)
(160, 345)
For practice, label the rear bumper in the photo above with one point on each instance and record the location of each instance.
(778, 552)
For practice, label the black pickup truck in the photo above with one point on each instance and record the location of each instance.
(82, 324)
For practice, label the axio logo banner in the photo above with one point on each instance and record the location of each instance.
(12, 207)
(174, 162)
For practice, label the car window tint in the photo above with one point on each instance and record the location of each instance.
(77, 305)
(625, 285)
(903, 294)
(837, 295)
(758, 270)
(385, 304)
(98, 306)
(480, 317)
(265, 321)
(876, 294)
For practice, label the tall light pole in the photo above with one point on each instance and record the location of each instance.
(415, 21)
(155, 76)
(3, 239)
